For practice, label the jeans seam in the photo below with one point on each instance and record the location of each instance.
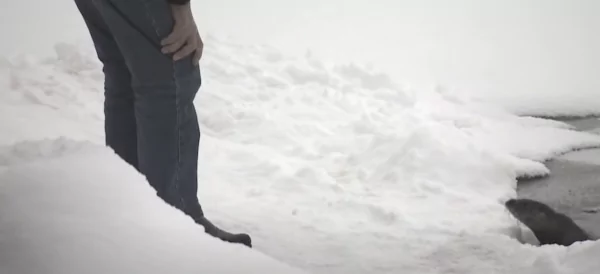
(174, 184)
(178, 167)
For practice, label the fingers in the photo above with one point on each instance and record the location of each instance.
(199, 51)
(185, 51)
(176, 39)
(181, 43)
(197, 56)
(177, 35)
(171, 48)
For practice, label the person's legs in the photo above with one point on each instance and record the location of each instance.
(167, 127)
(119, 125)
(168, 133)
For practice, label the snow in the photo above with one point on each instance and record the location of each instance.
(570, 102)
(534, 57)
(332, 167)
(83, 210)
(587, 156)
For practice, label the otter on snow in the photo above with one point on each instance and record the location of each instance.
(549, 226)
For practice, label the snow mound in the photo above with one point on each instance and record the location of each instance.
(51, 97)
(86, 211)
(28, 151)
(333, 168)
(565, 103)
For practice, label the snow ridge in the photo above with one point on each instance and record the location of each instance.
(369, 177)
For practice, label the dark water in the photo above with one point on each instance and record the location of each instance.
(584, 124)
(573, 186)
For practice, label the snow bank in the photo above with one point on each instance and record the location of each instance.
(88, 212)
(555, 104)
(54, 97)
(333, 168)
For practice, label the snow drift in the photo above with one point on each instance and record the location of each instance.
(87, 211)
(333, 168)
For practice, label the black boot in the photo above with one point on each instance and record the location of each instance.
(216, 232)
(197, 214)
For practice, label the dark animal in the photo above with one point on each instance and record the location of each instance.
(549, 226)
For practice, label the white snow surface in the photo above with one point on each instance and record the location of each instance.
(566, 103)
(88, 212)
(332, 168)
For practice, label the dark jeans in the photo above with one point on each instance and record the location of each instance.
(150, 117)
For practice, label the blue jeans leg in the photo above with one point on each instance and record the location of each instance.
(120, 125)
(157, 90)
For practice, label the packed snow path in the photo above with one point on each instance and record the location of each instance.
(332, 168)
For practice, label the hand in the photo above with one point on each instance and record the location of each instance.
(184, 39)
